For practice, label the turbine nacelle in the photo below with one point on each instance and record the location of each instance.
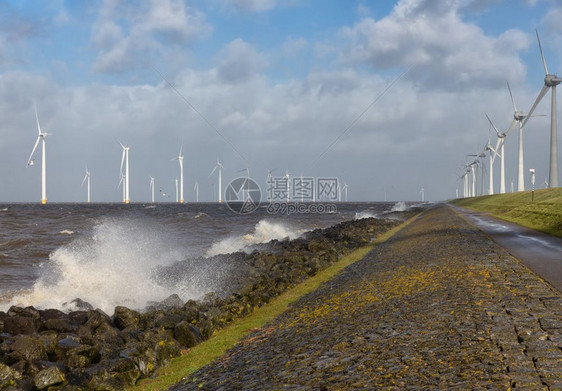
(519, 116)
(552, 80)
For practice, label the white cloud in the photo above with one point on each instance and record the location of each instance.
(432, 36)
(239, 62)
(131, 33)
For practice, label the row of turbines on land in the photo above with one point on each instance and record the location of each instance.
(124, 175)
(470, 174)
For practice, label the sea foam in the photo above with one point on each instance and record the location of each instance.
(115, 266)
(264, 231)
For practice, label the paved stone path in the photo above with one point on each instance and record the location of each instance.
(439, 306)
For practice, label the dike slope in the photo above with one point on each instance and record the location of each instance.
(437, 306)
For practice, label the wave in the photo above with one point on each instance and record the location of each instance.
(264, 231)
(115, 266)
(66, 232)
(365, 215)
(400, 206)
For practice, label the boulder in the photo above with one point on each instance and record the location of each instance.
(124, 317)
(187, 334)
(49, 377)
(28, 348)
(17, 324)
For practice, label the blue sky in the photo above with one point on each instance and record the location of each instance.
(280, 79)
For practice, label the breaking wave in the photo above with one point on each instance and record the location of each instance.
(115, 266)
(264, 231)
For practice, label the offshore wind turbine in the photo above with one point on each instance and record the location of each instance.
(345, 187)
(179, 158)
(40, 137)
(219, 167)
(125, 159)
(152, 189)
(288, 185)
(550, 82)
(196, 190)
(87, 178)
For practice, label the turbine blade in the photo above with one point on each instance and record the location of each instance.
(122, 161)
(84, 180)
(37, 119)
(511, 95)
(513, 123)
(543, 92)
(214, 169)
(33, 151)
(542, 54)
(491, 123)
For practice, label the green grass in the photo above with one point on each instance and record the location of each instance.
(225, 339)
(543, 214)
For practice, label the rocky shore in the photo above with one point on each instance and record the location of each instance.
(91, 350)
(438, 306)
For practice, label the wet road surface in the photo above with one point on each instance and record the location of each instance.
(540, 252)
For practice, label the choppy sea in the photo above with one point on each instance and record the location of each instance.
(107, 254)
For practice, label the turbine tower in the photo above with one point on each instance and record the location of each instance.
(179, 158)
(219, 167)
(125, 159)
(152, 189)
(87, 178)
(500, 146)
(550, 82)
(518, 118)
(196, 190)
(40, 137)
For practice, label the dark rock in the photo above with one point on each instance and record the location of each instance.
(105, 333)
(117, 374)
(125, 317)
(28, 348)
(49, 377)
(78, 318)
(17, 325)
(59, 325)
(96, 318)
(187, 334)
(64, 345)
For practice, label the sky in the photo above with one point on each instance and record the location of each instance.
(387, 96)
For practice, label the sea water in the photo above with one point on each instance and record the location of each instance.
(109, 254)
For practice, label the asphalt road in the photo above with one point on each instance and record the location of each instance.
(540, 252)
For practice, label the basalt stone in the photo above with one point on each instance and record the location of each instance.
(191, 311)
(65, 344)
(49, 377)
(59, 325)
(77, 318)
(28, 348)
(187, 334)
(105, 333)
(96, 318)
(28, 312)
(111, 375)
(168, 321)
(125, 317)
(17, 324)
(49, 340)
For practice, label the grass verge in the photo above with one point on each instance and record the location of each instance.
(544, 213)
(216, 346)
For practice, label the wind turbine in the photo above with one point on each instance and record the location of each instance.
(180, 159)
(422, 192)
(550, 81)
(196, 190)
(219, 166)
(176, 180)
(125, 159)
(87, 178)
(345, 187)
(500, 145)
(40, 137)
(518, 118)
(152, 189)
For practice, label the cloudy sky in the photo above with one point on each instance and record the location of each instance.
(388, 96)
